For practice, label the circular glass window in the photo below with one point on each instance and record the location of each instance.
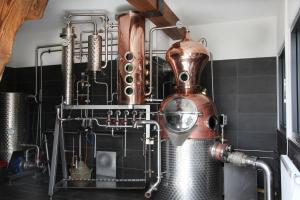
(128, 91)
(184, 76)
(129, 67)
(180, 115)
(129, 56)
(129, 79)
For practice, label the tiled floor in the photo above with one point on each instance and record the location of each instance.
(36, 189)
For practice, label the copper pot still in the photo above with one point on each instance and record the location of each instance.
(189, 113)
(131, 58)
(189, 127)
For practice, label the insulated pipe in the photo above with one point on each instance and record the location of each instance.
(67, 62)
(148, 193)
(151, 50)
(222, 152)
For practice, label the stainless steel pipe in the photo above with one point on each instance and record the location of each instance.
(152, 30)
(241, 159)
(148, 193)
(37, 153)
(268, 176)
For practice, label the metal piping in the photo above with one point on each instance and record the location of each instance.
(37, 155)
(148, 193)
(222, 152)
(151, 50)
(241, 159)
(47, 154)
(37, 63)
(80, 43)
(86, 22)
(268, 177)
(212, 76)
(106, 26)
(101, 83)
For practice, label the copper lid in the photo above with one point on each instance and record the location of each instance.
(187, 59)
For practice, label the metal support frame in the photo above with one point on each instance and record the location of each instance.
(58, 141)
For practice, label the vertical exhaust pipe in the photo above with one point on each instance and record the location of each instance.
(68, 35)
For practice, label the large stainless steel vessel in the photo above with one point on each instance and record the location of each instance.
(189, 126)
(12, 123)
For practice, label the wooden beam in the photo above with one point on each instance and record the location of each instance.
(13, 13)
(167, 19)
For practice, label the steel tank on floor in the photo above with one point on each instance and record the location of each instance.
(189, 172)
(12, 123)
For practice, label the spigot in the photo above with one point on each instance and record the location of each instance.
(109, 114)
(134, 114)
(118, 113)
(126, 113)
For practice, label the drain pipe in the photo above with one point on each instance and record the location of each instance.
(148, 193)
(37, 153)
(222, 152)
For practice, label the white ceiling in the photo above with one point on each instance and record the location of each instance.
(191, 12)
(195, 12)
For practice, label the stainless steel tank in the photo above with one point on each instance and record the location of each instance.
(190, 173)
(12, 123)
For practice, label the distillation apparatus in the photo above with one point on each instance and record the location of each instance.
(182, 137)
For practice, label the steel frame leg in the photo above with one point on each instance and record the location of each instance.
(62, 152)
(54, 158)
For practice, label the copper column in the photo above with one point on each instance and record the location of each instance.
(131, 89)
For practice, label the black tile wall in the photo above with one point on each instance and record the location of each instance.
(23, 80)
(245, 90)
(8, 83)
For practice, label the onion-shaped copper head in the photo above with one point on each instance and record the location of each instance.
(187, 59)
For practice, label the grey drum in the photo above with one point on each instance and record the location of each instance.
(189, 172)
(12, 123)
